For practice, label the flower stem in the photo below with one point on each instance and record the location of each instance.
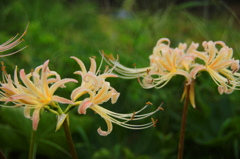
(69, 140)
(32, 145)
(183, 124)
(2, 156)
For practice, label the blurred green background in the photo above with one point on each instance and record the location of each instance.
(130, 29)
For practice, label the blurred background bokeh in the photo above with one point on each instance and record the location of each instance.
(130, 29)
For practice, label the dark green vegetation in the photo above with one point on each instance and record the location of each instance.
(60, 29)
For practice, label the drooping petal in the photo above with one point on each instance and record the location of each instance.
(35, 118)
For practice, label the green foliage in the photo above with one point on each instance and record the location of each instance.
(60, 29)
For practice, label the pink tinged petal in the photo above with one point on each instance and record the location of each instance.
(80, 63)
(109, 129)
(90, 77)
(114, 97)
(23, 98)
(221, 89)
(235, 66)
(56, 85)
(60, 119)
(35, 118)
(8, 91)
(84, 105)
(62, 100)
(195, 70)
(93, 66)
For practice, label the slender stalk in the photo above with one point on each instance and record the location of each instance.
(69, 140)
(183, 124)
(32, 144)
(2, 156)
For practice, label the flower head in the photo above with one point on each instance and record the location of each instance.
(165, 62)
(34, 91)
(220, 65)
(11, 43)
(99, 92)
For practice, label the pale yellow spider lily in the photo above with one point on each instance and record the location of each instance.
(220, 65)
(165, 63)
(34, 91)
(100, 91)
(105, 93)
(11, 43)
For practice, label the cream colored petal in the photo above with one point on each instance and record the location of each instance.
(114, 97)
(60, 119)
(80, 63)
(93, 66)
(78, 92)
(27, 112)
(56, 85)
(29, 84)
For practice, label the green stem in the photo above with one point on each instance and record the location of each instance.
(183, 124)
(69, 140)
(32, 144)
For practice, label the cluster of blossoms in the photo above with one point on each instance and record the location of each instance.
(166, 62)
(36, 91)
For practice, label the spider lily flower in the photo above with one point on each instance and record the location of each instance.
(91, 79)
(105, 93)
(165, 63)
(34, 91)
(220, 65)
(100, 91)
(11, 43)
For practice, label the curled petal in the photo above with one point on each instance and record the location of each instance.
(109, 129)
(84, 105)
(114, 97)
(195, 70)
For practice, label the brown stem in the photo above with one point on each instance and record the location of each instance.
(183, 124)
(69, 140)
(2, 156)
